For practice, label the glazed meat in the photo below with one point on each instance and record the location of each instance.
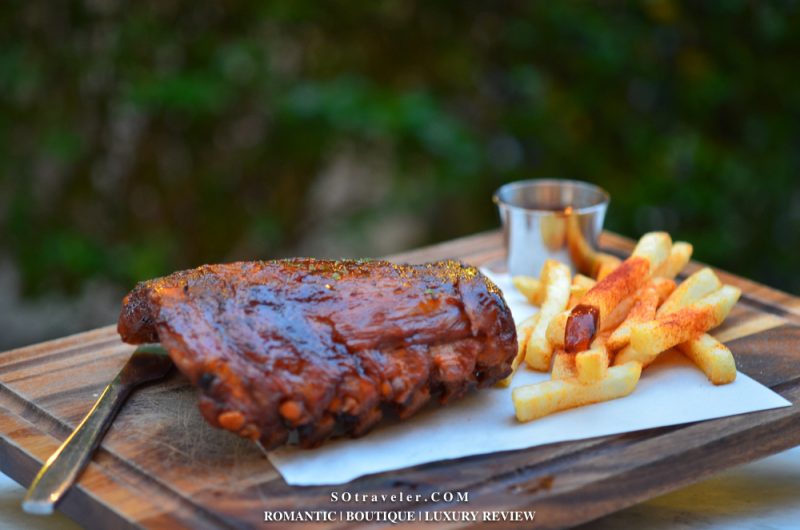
(322, 347)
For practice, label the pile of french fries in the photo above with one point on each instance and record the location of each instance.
(641, 314)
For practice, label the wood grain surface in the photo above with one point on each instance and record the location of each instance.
(161, 466)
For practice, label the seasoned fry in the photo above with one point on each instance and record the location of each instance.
(585, 258)
(604, 264)
(696, 286)
(524, 331)
(580, 286)
(541, 399)
(563, 366)
(530, 287)
(591, 311)
(712, 357)
(655, 246)
(555, 330)
(580, 251)
(633, 308)
(553, 229)
(648, 339)
(662, 286)
(644, 309)
(619, 314)
(591, 365)
(556, 284)
(582, 283)
(628, 355)
(679, 256)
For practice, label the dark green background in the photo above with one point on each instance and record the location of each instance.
(140, 138)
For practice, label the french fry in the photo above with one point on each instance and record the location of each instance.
(633, 308)
(618, 314)
(556, 284)
(591, 365)
(608, 292)
(696, 286)
(591, 311)
(585, 258)
(553, 229)
(644, 309)
(604, 264)
(524, 330)
(679, 256)
(563, 366)
(530, 287)
(580, 286)
(663, 286)
(541, 399)
(597, 304)
(628, 355)
(581, 253)
(555, 330)
(582, 283)
(655, 246)
(712, 357)
(648, 339)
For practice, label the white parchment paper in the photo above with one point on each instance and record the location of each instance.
(671, 391)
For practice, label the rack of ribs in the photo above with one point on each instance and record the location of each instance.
(321, 347)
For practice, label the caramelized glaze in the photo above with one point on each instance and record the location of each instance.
(319, 347)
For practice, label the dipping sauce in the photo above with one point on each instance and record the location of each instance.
(581, 328)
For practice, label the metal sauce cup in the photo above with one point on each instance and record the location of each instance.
(548, 218)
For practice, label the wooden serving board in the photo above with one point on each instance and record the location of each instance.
(161, 466)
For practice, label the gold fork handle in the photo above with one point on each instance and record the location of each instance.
(64, 466)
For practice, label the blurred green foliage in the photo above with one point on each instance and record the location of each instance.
(139, 138)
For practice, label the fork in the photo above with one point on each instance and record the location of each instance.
(148, 363)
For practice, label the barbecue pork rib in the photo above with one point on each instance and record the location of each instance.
(323, 347)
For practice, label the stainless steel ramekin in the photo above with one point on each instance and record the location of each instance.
(549, 218)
